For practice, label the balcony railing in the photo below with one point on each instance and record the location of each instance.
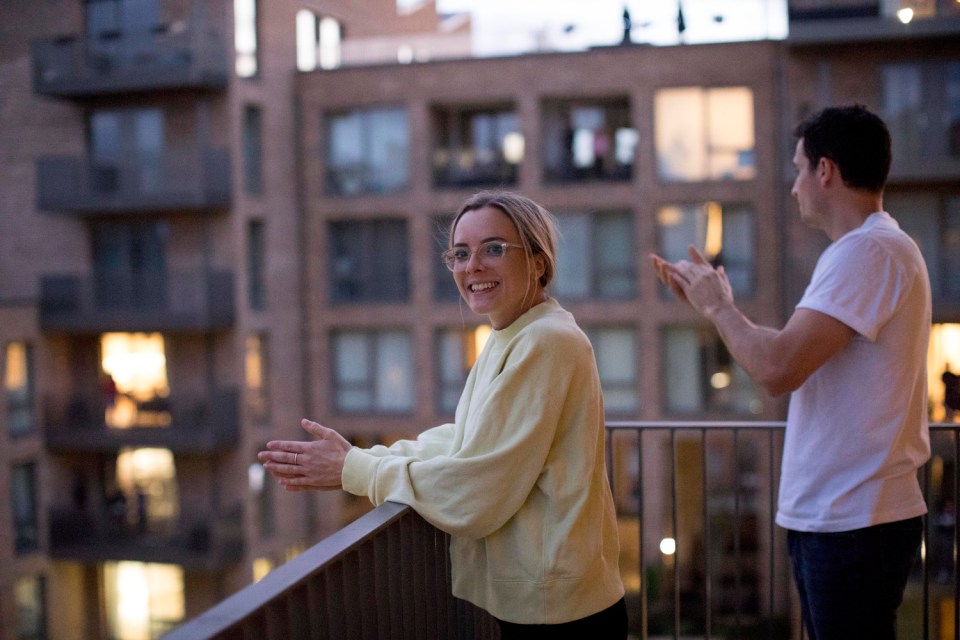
(700, 553)
(386, 575)
(144, 301)
(180, 55)
(120, 531)
(193, 179)
(183, 424)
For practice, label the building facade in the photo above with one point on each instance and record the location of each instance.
(222, 216)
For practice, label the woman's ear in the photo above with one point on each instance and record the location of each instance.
(539, 266)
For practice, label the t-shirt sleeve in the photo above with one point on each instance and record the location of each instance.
(860, 283)
(475, 488)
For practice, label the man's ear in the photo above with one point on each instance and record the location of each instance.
(827, 170)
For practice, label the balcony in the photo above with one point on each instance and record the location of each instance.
(178, 55)
(860, 24)
(708, 487)
(202, 542)
(190, 179)
(166, 302)
(183, 424)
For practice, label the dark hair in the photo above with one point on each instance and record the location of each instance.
(852, 137)
(536, 226)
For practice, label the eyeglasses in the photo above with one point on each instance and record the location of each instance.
(457, 258)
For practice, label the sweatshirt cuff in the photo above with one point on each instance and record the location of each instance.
(359, 469)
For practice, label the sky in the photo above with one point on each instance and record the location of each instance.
(505, 27)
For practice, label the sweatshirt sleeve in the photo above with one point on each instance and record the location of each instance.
(474, 488)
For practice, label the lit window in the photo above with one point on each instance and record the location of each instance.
(245, 37)
(373, 371)
(318, 41)
(457, 351)
(596, 257)
(30, 594)
(255, 361)
(704, 134)
(135, 389)
(142, 600)
(147, 479)
(367, 151)
(18, 385)
(724, 234)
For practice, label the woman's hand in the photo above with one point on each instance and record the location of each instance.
(302, 465)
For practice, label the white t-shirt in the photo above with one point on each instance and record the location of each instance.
(857, 428)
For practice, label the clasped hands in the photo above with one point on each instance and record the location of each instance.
(312, 464)
(696, 282)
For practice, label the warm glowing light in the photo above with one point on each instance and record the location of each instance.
(714, 239)
(720, 380)
(513, 147)
(137, 362)
(669, 216)
(138, 594)
(261, 567)
(668, 546)
(15, 377)
(905, 15)
(943, 353)
(480, 336)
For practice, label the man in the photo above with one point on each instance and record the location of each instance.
(853, 354)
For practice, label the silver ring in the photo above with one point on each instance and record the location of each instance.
(295, 456)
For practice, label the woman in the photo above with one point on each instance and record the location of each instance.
(518, 478)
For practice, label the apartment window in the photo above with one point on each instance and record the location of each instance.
(318, 41)
(724, 234)
(921, 106)
(588, 140)
(129, 265)
(444, 287)
(373, 371)
(476, 146)
(367, 151)
(257, 388)
(457, 351)
(369, 261)
(246, 62)
(596, 257)
(933, 221)
(18, 383)
(30, 596)
(615, 349)
(704, 134)
(701, 377)
(127, 148)
(23, 502)
(142, 600)
(252, 150)
(256, 265)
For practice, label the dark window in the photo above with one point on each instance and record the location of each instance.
(23, 502)
(367, 152)
(596, 258)
(588, 140)
(252, 150)
(369, 261)
(256, 265)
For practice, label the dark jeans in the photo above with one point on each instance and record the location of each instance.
(611, 623)
(852, 582)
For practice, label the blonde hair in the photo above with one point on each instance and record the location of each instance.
(536, 225)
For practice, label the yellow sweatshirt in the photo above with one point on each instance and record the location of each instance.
(518, 480)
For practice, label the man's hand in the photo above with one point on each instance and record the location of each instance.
(696, 282)
(300, 465)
